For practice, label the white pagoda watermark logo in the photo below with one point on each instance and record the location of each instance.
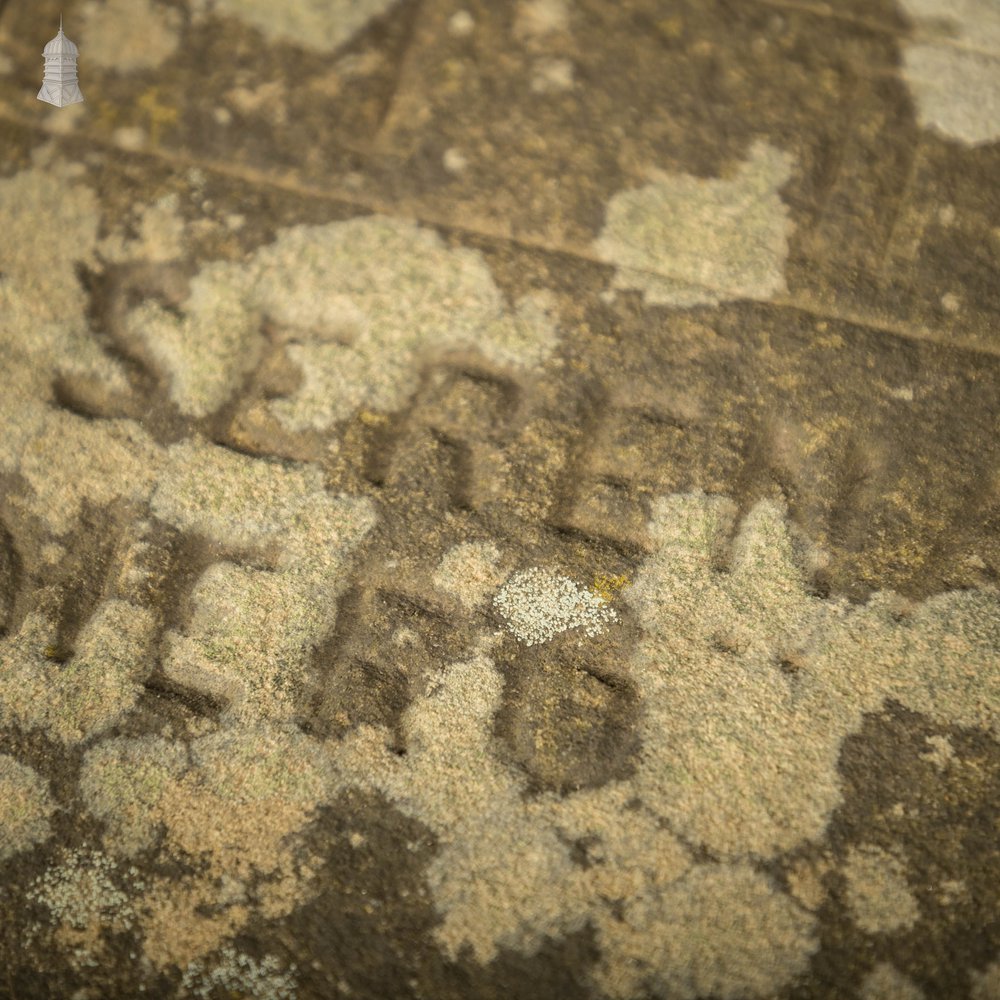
(59, 86)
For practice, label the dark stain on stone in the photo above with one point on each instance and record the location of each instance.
(11, 570)
(569, 718)
(941, 823)
(371, 926)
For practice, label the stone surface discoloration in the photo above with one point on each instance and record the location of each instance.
(500, 500)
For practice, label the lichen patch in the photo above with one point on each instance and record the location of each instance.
(686, 241)
(321, 27)
(96, 687)
(25, 807)
(363, 302)
(232, 807)
(128, 35)
(251, 635)
(469, 571)
(538, 605)
(955, 75)
(50, 225)
(877, 891)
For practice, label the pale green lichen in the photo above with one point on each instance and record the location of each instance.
(363, 303)
(955, 76)
(67, 460)
(718, 639)
(469, 571)
(887, 983)
(239, 975)
(252, 631)
(323, 27)
(86, 897)
(96, 687)
(497, 850)
(504, 878)
(128, 35)
(878, 894)
(211, 348)
(81, 891)
(236, 499)
(686, 241)
(25, 808)
(50, 224)
(160, 238)
(719, 930)
(123, 781)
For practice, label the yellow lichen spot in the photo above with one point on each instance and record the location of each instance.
(671, 27)
(370, 417)
(157, 113)
(606, 586)
(834, 341)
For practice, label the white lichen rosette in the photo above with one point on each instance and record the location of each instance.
(537, 605)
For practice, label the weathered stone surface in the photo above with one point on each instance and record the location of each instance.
(501, 500)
